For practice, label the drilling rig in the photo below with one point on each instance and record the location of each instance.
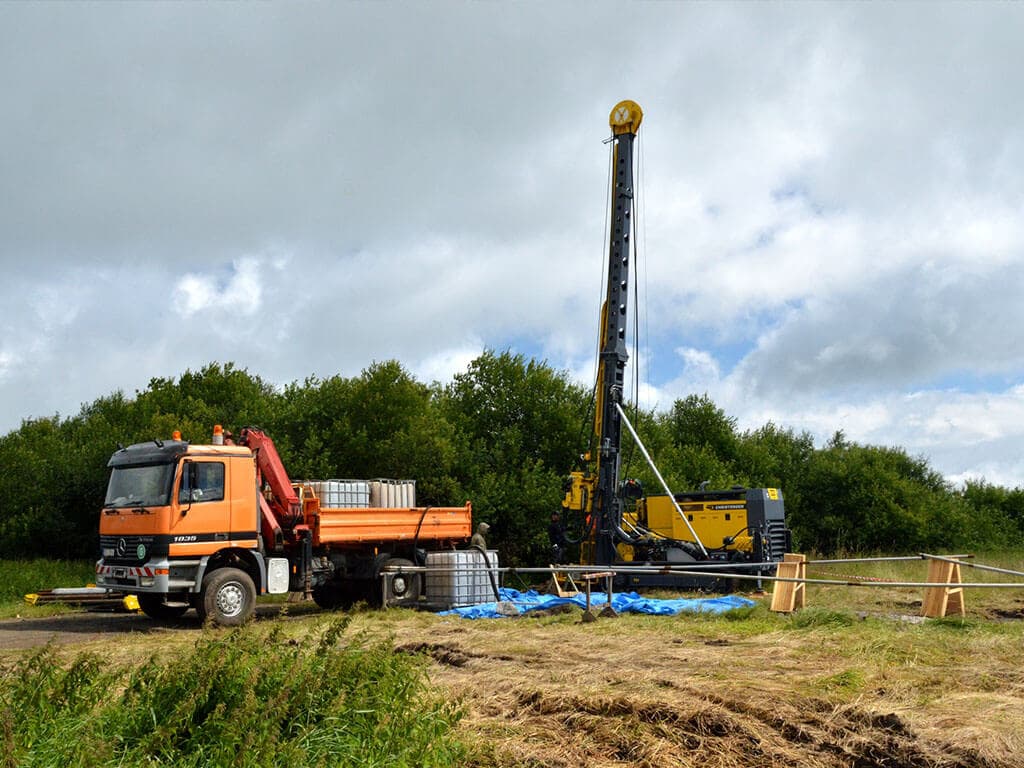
(616, 524)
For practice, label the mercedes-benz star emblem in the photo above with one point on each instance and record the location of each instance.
(122, 545)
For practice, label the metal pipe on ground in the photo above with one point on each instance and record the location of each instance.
(894, 559)
(977, 566)
(747, 577)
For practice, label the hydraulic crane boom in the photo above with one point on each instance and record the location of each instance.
(271, 471)
(283, 505)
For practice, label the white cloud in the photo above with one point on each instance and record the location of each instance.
(7, 362)
(700, 372)
(194, 293)
(240, 292)
(443, 365)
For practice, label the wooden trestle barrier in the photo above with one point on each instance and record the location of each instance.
(941, 601)
(787, 596)
(947, 598)
(557, 577)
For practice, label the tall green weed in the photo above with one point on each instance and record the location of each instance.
(248, 697)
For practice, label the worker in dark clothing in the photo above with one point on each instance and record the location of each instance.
(478, 539)
(556, 534)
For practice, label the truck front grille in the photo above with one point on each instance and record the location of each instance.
(127, 550)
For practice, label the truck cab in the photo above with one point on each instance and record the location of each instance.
(175, 511)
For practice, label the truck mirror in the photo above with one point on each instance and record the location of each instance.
(188, 491)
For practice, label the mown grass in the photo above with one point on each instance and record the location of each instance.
(940, 678)
(248, 697)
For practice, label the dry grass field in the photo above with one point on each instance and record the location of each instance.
(824, 687)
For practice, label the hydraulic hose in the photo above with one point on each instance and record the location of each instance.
(416, 537)
(490, 572)
(584, 531)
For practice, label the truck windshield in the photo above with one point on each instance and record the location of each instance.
(141, 486)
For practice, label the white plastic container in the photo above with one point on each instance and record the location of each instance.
(334, 494)
(461, 578)
(392, 494)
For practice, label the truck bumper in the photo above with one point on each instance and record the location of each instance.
(155, 576)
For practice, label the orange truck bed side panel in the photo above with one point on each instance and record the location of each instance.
(369, 524)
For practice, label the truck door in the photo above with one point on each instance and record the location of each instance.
(245, 511)
(202, 524)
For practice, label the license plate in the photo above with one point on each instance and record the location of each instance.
(120, 573)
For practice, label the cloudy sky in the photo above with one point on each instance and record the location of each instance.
(831, 234)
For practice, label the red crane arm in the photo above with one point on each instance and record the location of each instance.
(284, 502)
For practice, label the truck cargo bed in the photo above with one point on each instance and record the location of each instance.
(354, 525)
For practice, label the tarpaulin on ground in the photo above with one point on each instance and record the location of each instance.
(622, 602)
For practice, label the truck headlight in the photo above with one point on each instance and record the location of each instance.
(146, 581)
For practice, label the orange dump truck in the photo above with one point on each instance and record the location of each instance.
(212, 526)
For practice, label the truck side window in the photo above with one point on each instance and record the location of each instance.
(210, 481)
(187, 480)
(201, 481)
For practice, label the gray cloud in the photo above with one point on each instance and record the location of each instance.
(306, 189)
(902, 331)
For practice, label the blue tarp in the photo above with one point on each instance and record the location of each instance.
(622, 602)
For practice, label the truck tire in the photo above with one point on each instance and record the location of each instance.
(329, 596)
(404, 588)
(228, 597)
(155, 607)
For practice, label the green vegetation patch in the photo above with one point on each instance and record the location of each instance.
(849, 680)
(820, 617)
(248, 697)
(21, 577)
(957, 623)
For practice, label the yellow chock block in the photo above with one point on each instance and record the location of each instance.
(130, 603)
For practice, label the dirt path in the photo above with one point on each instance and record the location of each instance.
(69, 628)
(89, 626)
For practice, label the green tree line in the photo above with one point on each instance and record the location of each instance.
(504, 434)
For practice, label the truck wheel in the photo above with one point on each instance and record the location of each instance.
(402, 588)
(228, 597)
(329, 596)
(155, 607)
